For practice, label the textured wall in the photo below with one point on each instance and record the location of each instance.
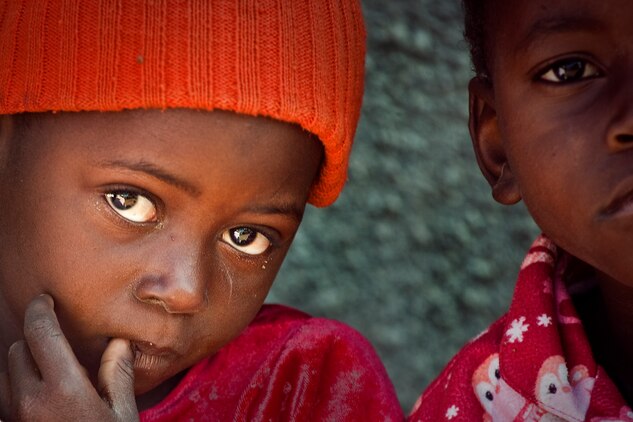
(415, 254)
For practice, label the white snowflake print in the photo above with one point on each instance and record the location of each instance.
(515, 332)
(544, 320)
(452, 412)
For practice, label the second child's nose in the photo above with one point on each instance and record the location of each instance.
(177, 283)
(620, 137)
(620, 131)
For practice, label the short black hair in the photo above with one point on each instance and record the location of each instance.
(474, 18)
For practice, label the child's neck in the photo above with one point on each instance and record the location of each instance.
(608, 320)
(155, 396)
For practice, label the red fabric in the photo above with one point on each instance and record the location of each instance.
(286, 366)
(533, 364)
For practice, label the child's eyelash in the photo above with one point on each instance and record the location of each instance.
(271, 234)
(121, 201)
(247, 240)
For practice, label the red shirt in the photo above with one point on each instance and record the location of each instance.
(534, 364)
(286, 366)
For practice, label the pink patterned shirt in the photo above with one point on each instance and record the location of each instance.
(534, 364)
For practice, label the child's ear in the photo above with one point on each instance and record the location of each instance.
(487, 142)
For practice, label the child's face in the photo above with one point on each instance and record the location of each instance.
(163, 228)
(555, 127)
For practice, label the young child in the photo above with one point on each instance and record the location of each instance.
(156, 158)
(551, 118)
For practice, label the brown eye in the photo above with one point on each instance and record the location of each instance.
(247, 240)
(570, 70)
(132, 206)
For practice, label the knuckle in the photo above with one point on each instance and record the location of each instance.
(67, 390)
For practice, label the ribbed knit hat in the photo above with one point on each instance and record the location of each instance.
(299, 61)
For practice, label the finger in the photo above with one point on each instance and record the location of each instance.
(24, 377)
(50, 350)
(5, 396)
(116, 378)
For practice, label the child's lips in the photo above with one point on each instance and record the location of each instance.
(150, 357)
(150, 348)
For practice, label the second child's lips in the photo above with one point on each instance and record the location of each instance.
(621, 203)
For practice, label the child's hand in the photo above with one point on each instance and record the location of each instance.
(45, 382)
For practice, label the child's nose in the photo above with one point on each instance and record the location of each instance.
(620, 132)
(179, 286)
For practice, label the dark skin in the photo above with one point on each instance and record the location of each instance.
(553, 126)
(136, 244)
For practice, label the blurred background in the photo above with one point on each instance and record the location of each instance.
(415, 254)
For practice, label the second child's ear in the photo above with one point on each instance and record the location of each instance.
(488, 144)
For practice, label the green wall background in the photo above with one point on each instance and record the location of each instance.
(415, 254)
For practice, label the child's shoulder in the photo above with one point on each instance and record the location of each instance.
(287, 365)
(326, 346)
(280, 323)
(449, 394)
(272, 314)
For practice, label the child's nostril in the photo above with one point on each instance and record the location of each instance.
(625, 138)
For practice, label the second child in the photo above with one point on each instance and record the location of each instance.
(551, 119)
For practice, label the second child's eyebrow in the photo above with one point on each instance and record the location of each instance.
(549, 26)
(154, 171)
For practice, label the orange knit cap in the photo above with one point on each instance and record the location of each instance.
(299, 61)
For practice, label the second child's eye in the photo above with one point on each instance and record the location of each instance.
(132, 206)
(570, 70)
(246, 240)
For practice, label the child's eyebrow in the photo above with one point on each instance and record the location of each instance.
(287, 209)
(556, 25)
(154, 171)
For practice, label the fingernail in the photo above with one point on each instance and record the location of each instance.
(48, 298)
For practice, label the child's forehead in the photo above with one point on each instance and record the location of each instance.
(512, 28)
(192, 150)
(164, 126)
(540, 17)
